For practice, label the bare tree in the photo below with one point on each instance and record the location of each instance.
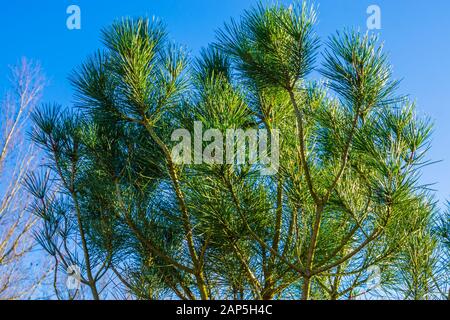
(18, 276)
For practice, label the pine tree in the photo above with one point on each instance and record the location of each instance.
(345, 199)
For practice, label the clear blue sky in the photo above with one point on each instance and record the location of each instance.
(416, 35)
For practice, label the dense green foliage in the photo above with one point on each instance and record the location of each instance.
(345, 201)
